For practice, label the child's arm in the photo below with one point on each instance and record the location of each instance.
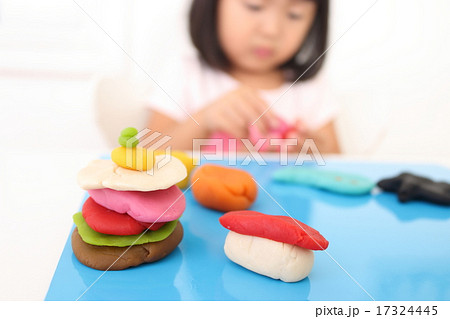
(325, 138)
(182, 133)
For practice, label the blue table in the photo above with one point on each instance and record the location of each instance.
(389, 250)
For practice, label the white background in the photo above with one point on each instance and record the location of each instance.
(66, 90)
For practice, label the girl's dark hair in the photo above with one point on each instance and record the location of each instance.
(203, 30)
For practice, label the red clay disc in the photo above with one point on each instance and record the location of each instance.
(106, 221)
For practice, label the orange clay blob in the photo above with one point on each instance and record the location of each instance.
(222, 188)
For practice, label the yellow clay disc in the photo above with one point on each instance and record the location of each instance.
(136, 158)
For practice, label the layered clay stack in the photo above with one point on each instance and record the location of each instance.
(131, 216)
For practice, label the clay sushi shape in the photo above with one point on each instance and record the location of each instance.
(279, 247)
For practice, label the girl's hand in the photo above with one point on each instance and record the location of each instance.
(297, 131)
(235, 111)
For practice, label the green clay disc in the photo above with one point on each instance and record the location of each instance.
(92, 237)
(333, 181)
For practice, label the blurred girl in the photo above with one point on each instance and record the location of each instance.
(249, 54)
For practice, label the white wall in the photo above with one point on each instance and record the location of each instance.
(50, 53)
(391, 71)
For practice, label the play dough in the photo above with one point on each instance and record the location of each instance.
(188, 162)
(136, 158)
(279, 228)
(131, 216)
(270, 258)
(337, 182)
(413, 187)
(127, 137)
(107, 174)
(280, 132)
(255, 135)
(279, 247)
(106, 221)
(118, 258)
(222, 188)
(92, 237)
(161, 206)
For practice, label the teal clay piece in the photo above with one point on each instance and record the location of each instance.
(92, 237)
(127, 137)
(333, 181)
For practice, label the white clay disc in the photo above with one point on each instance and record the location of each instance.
(107, 174)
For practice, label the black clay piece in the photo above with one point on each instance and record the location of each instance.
(412, 187)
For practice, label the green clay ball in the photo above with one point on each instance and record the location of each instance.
(129, 131)
(127, 141)
(127, 137)
(92, 237)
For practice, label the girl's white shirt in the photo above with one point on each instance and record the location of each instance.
(192, 85)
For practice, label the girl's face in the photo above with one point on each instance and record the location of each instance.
(260, 35)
